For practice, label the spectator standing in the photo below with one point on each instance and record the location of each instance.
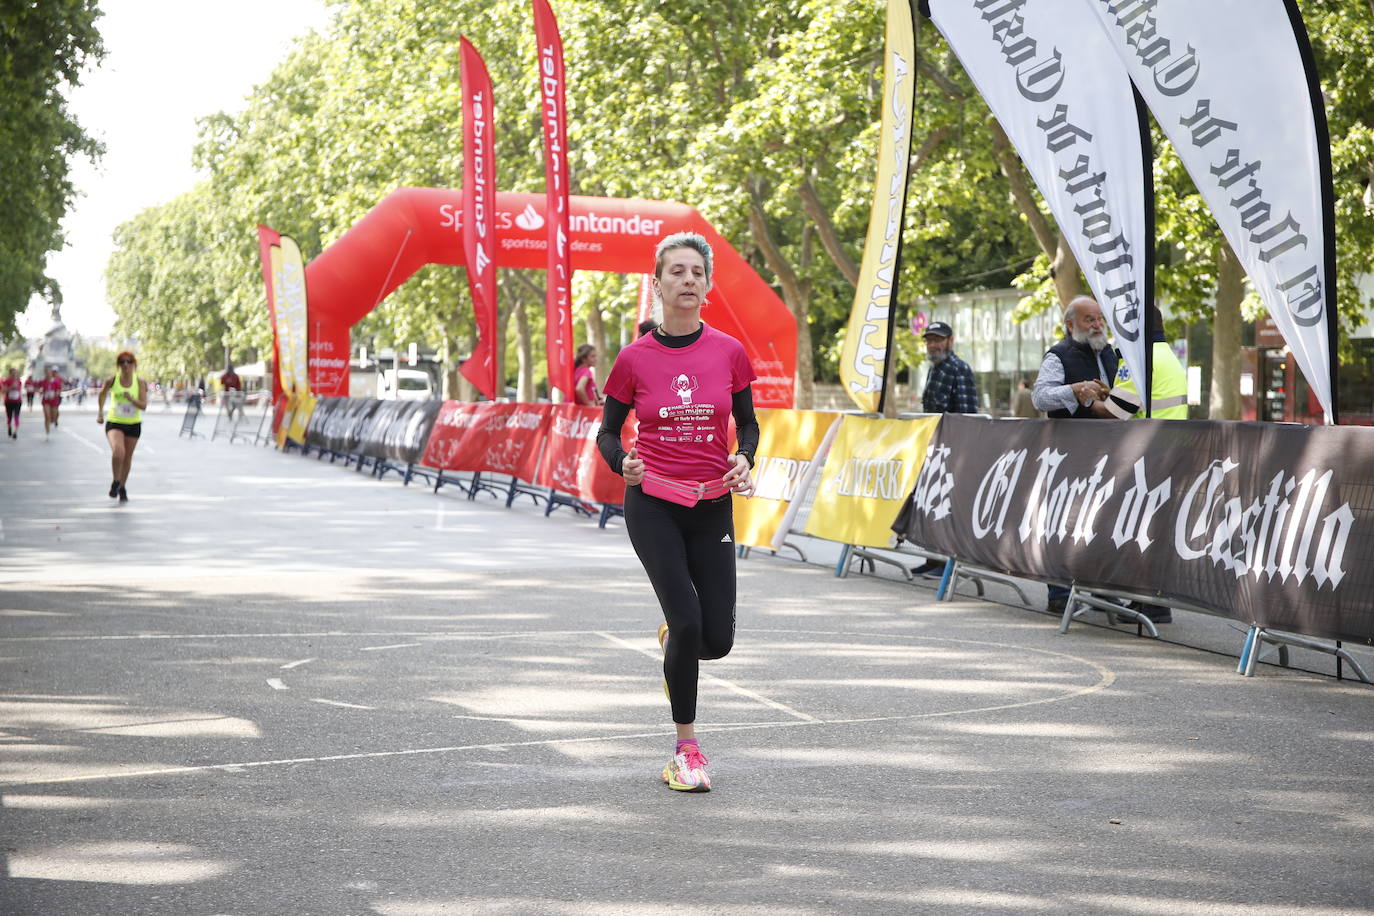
(233, 391)
(1168, 380)
(950, 387)
(1075, 378)
(584, 377)
(1078, 372)
(1168, 401)
(1022, 403)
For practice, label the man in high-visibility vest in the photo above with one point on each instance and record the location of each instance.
(1168, 380)
(1168, 401)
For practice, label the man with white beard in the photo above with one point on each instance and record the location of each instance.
(1078, 372)
(1075, 378)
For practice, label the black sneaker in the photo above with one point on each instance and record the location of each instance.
(114, 489)
(123, 494)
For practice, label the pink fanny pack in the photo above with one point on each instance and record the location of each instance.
(682, 492)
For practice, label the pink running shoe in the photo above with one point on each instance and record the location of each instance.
(686, 772)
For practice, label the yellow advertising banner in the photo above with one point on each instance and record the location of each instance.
(288, 281)
(788, 442)
(868, 475)
(300, 419)
(284, 422)
(863, 359)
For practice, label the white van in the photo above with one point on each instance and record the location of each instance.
(405, 385)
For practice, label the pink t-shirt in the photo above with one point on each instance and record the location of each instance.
(52, 390)
(14, 389)
(682, 398)
(579, 374)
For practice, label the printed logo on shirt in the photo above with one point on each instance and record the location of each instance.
(684, 386)
(726, 539)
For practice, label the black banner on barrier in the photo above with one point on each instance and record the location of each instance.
(342, 428)
(404, 438)
(392, 430)
(1268, 523)
(316, 432)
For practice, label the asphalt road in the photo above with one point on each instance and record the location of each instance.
(269, 685)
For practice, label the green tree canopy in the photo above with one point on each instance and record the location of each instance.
(44, 49)
(762, 116)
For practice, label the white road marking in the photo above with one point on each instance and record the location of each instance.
(276, 683)
(1106, 678)
(83, 440)
(733, 688)
(289, 665)
(439, 517)
(399, 645)
(339, 703)
(437, 634)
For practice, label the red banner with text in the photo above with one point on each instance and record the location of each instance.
(553, 105)
(572, 463)
(491, 438)
(479, 202)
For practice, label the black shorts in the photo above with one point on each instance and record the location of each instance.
(130, 430)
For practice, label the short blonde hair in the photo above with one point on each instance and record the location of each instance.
(683, 240)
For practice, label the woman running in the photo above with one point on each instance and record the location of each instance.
(584, 380)
(684, 381)
(129, 396)
(14, 400)
(51, 386)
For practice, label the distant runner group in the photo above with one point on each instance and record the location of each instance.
(18, 390)
(128, 397)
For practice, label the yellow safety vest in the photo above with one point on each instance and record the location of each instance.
(1168, 387)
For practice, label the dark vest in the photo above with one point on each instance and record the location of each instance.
(1080, 365)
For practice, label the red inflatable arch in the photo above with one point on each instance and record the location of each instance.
(413, 227)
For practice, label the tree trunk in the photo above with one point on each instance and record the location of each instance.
(1063, 265)
(796, 294)
(458, 385)
(1064, 270)
(830, 239)
(1225, 392)
(524, 385)
(499, 345)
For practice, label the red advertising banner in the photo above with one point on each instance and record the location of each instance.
(266, 239)
(491, 438)
(479, 203)
(446, 437)
(329, 354)
(553, 105)
(571, 462)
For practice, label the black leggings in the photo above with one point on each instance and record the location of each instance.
(12, 413)
(689, 554)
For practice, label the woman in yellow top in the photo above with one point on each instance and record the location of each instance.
(129, 395)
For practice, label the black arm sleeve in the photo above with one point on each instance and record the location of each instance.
(746, 423)
(613, 416)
